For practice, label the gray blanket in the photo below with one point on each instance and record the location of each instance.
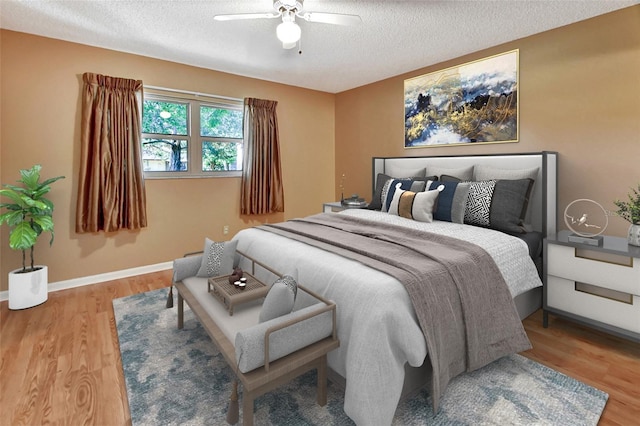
(462, 303)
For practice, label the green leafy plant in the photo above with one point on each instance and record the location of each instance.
(630, 210)
(29, 214)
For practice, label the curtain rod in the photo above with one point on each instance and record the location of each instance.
(186, 92)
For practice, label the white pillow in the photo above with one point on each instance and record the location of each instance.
(415, 205)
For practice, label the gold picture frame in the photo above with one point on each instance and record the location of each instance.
(476, 102)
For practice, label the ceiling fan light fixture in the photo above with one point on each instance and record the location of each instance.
(288, 45)
(288, 32)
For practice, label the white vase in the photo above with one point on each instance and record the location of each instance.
(28, 289)
(634, 235)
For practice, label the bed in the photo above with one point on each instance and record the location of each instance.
(384, 346)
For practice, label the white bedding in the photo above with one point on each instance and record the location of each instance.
(377, 327)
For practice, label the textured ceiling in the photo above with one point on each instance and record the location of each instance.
(394, 37)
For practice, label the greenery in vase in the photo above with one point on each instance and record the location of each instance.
(29, 214)
(630, 210)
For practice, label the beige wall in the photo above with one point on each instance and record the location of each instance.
(40, 123)
(579, 95)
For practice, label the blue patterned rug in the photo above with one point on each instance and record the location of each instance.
(178, 377)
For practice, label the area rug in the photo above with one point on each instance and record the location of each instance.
(178, 377)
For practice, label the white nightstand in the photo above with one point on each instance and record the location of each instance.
(337, 206)
(597, 286)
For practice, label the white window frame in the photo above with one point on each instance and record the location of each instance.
(193, 137)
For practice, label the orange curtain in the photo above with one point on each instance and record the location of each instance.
(111, 193)
(262, 190)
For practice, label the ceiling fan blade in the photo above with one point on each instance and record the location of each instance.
(331, 18)
(239, 16)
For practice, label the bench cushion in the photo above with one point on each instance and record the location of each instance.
(249, 343)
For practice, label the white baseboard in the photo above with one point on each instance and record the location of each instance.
(107, 276)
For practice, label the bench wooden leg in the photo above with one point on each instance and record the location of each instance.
(322, 381)
(180, 311)
(247, 408)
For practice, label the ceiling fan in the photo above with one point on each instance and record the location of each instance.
(288, 31)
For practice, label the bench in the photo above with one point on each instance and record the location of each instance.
(221, 327)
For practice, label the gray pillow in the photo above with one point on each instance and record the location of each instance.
(217, 258)
(481, 172)
(462, 173)
(280, 299)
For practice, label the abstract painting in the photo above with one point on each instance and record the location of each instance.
(476, 102)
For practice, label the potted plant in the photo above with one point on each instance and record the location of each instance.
(29, 214)
(630, 210)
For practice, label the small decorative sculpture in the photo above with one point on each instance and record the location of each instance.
(587, 219)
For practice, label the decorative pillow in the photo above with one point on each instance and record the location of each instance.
(389, 189)
(376, 200)
(217, 258)
(462, 173)
(499, 204)
(452, 201)
(415, 205)
(280, 299)
(479, 203)
(481, 172)
(417, 184)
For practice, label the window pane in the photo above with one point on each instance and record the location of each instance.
(165, 118)
(220, 123)
(221, 156)
(164, 155)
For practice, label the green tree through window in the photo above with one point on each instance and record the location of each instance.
(171, 149)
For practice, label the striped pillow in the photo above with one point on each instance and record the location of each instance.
(414, 205)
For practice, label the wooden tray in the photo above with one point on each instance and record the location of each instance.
(231, 295)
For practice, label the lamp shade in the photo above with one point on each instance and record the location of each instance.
(288, 32)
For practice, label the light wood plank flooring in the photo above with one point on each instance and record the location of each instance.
(61, 363)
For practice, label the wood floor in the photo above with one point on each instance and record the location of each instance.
(61, 363)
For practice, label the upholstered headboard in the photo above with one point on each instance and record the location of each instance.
(543, 202)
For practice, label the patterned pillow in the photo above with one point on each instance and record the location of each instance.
(498, 204)
(452, 201)
(478, 207)
(481, 172)
(389, 189)
(280, 299)
(415, 205)
(382, 181)
(217, 258)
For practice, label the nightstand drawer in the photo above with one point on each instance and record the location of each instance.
(565, 263)
(562, 294)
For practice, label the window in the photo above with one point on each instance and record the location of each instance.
(191, 136)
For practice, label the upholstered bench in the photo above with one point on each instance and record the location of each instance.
(263, 355)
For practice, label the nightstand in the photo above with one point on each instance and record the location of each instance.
(337, 206)
(596, 286)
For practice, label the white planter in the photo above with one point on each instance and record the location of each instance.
(28, 289)
(634, 235)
